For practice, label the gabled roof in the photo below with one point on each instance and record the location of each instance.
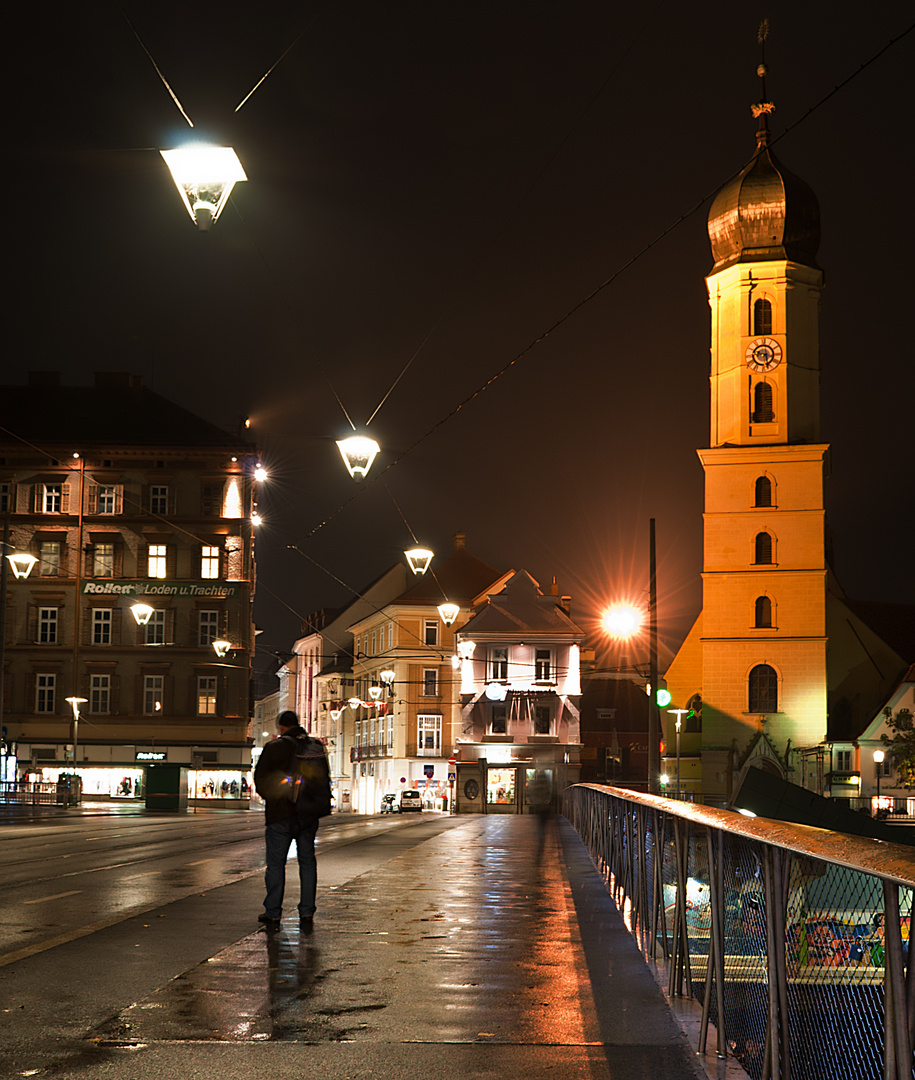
(521, 608)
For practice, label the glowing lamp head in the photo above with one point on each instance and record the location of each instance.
(22, 564)
(449, 612)
(358, 453)
(375, 692)
(622, 621)
(335, 714)
(496, 691)
(355, 703)
(465, 649)
(419, 559)
(142, 613)
(221, 648)
(387, 677)
(879, 755)
(260, 473)
(204, 176)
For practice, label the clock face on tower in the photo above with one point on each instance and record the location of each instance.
(764, 354)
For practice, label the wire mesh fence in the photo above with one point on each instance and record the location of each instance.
(794, 940)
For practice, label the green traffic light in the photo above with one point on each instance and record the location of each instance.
(662, 697)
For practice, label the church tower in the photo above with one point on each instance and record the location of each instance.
(754, 664)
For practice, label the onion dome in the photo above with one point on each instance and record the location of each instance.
(765, 212)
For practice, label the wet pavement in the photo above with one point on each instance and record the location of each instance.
(467, 954)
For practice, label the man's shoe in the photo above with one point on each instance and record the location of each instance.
(269, 922)
(306, 923)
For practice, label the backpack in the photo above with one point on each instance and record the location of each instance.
(309, 775)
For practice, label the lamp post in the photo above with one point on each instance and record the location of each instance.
(679, 714)
(75, 703)
(879, 755)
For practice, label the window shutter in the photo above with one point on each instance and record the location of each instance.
(30, 685)
(114, 701)
(116, 617)
(92, 498)
(118, 568)
(33, 622)
(119, 498)
(35, 496)
(65, 498)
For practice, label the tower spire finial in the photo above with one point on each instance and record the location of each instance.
(763, 107)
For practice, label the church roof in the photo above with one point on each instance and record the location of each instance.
(765, 212)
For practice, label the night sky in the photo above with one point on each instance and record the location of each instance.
(443, 184)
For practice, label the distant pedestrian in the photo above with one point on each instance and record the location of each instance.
(293, 779)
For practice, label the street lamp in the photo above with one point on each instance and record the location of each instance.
(142, 613)
(879, 755)
(221, 648)
(449, 612)
(419, 559)
(358, 453)
(75, 703)
(204, 177)
(22, 565)
(679, 714)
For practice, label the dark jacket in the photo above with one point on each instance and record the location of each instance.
(279, 774)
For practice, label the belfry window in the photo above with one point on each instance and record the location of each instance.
(762, 494)
(762, 689)
(762, 553)
(762, 318)
(763, 613)
(763, 410)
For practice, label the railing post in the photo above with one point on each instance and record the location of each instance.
(897, 1062)
(715, 969)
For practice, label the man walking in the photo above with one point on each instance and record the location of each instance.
(293, 779)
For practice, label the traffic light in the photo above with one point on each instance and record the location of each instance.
(662, 694)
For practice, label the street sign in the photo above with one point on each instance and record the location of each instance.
(452, 761)
(452, 776)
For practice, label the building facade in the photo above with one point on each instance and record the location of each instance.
(520, 693)
(125, 499)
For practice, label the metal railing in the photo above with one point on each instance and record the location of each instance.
(794, 940)
(64, 792)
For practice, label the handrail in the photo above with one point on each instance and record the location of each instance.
(794, 939)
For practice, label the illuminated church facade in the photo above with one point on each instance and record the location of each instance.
(775, 650)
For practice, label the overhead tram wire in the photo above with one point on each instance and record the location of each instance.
(158, 70)
(605, 284)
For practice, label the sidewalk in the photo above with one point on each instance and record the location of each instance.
(464, 956)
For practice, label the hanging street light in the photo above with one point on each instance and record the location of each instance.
(375, 692)
(387, 677)
(419, 559)
(358, 453)
(449, 612)
(142, 613)
(335, 714)
(465, 649)
(204, 176)
(22, 564)
(221, 648)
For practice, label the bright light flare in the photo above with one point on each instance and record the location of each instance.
(358, 453)
(204, 177)
(622, 620)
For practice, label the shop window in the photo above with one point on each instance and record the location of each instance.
(100, 694)
(763, 406)
(46, 693)
(206, 695)
(48, 625)
(762, 495)
(430, 682)
(763, 613)
(498, 720)
(101, 626)
(500, 786)
(429, 734)
(762, 318)
(763, 690)
(762, 549)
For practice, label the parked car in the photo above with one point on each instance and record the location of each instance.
(410, 800)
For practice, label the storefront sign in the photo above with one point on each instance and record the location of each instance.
(150, 755)
(223, 590)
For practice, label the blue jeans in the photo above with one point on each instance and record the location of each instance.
(278, 837)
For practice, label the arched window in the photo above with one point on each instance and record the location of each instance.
(762, 318)
(763, 548)
(763, 411)
(763, 491)
(763, 614)
(762, 690)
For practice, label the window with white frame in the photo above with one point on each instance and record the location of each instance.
(390, 635)
(158, 499)
(51, 498)
(48, 625)
(100, 693)
(209, 562)
(45, 693)
(429, 734)
(390, 730)
(374, 642)
(101, 626)
(843, 760)
(885, 767)
(430, 631)
(543, 665)
(103, 560)
(430, 682)
(154, 630)
(49, 558)
(207, 627)
(498, 663)
(153, 693)
(498, 720)
(107, 499)
(543, 720)
(157, 558)
(206, 695)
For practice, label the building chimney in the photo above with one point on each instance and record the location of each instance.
(554, 588)
(458, 540)
(565, 602)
